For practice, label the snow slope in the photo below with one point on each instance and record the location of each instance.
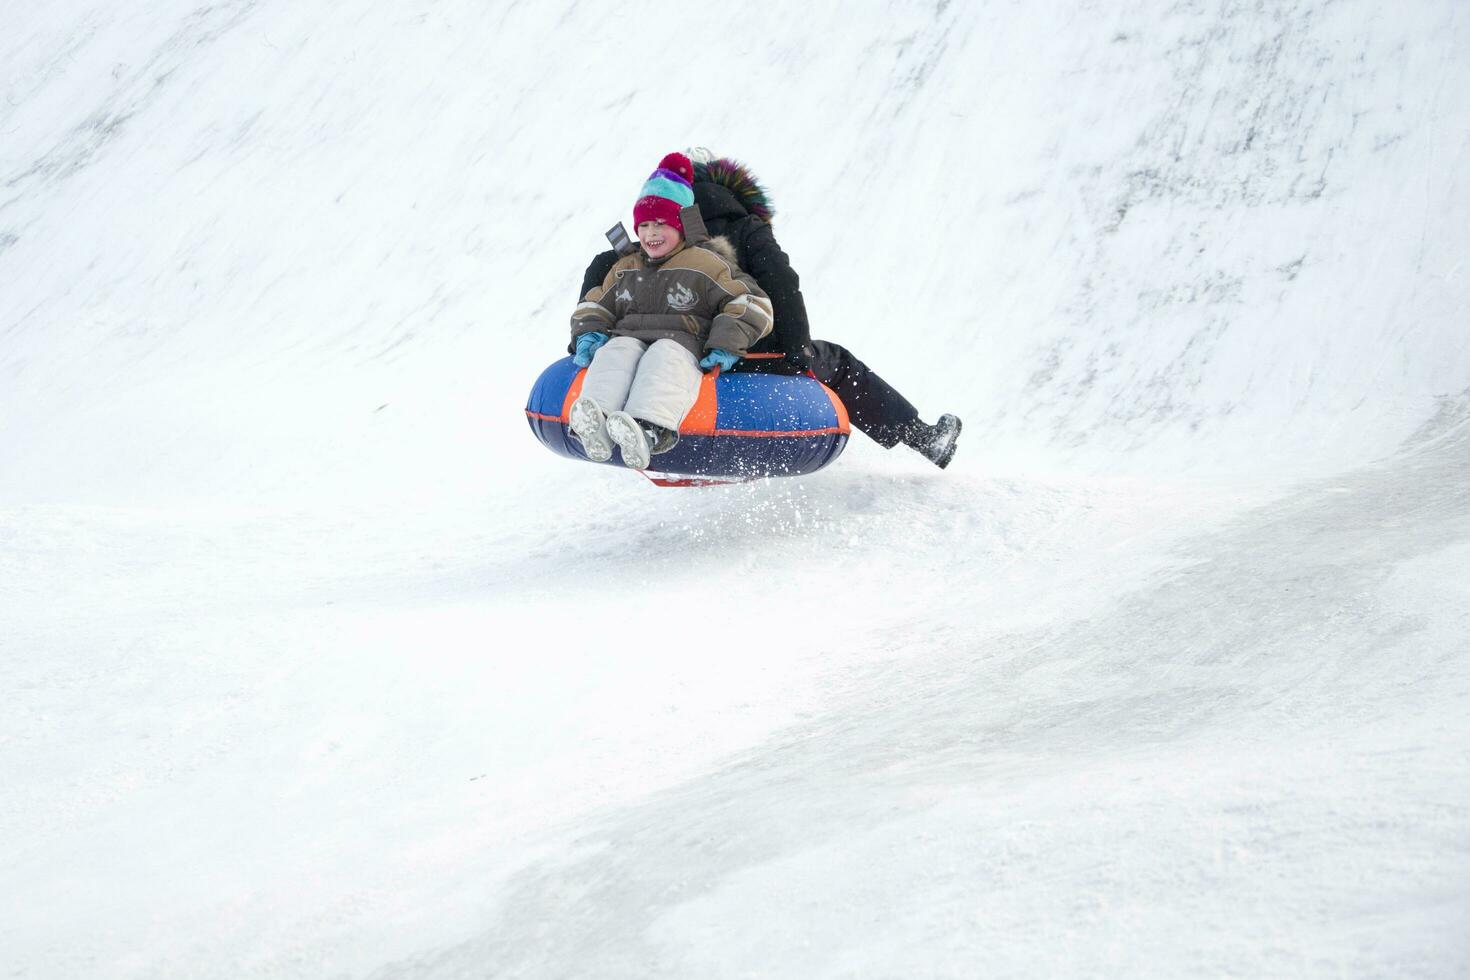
(316, 664)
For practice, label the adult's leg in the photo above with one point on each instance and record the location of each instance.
(610, 375)
(665, 386)
(873, 405)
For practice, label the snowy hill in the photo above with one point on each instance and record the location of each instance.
(317, 664)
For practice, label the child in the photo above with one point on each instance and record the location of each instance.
(658, 311)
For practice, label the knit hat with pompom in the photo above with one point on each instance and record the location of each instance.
(665, 191)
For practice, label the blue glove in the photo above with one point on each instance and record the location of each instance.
(715, 356)
(587, 345)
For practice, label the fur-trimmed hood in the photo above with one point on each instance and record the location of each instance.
(725, 188)
(724, 248)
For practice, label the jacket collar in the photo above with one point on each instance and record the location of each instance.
(695, 232)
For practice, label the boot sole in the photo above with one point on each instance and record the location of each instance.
(624, 430)
(588, 425)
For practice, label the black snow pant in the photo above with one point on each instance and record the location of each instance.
(873, 405)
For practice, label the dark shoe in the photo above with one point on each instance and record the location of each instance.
(660, 440)
(936, 442)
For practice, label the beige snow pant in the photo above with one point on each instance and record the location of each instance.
(657, 383)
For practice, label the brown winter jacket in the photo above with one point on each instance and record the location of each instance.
(696, 296)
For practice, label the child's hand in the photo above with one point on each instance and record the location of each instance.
(715, 356)
(587, 345)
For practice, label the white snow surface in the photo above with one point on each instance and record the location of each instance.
(314, 663)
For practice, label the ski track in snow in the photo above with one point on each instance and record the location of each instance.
(315, 664)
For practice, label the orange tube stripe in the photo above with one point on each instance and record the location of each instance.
(700, 419)
(750, 433)
(843, 424)
(833, 430)
(574, 391)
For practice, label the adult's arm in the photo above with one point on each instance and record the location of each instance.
(770, 267)
(597, 272)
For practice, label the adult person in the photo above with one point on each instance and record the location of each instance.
(734, 207)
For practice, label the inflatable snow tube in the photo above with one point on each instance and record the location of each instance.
(742, 426)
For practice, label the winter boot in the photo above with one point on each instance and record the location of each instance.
(589, 425)
(628, 433)
(660, 440)
(936, 442)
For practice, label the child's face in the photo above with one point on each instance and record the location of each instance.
(658, 239)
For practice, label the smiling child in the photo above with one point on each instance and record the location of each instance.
(662, 314)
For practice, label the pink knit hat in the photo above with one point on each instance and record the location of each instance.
(666, 191)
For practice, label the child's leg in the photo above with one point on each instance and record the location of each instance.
(610, 375)
(665, 386)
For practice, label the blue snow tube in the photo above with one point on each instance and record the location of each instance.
(742, 426)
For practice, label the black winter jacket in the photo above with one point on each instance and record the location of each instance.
(756, 252)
